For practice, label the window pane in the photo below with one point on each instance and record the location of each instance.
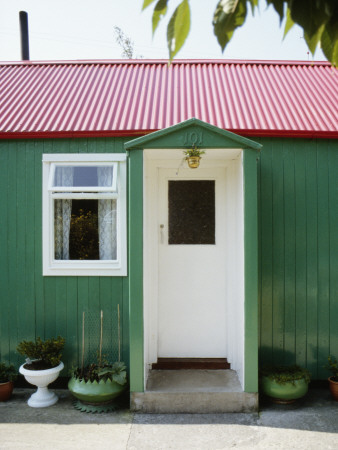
(192, 212)
(84, 236)
(85, 229)
(83, 176)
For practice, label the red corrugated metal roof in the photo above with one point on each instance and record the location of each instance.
(133, 97)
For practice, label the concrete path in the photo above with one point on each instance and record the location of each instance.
(310, 424)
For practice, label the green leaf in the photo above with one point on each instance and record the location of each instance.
(311, 15)
(146, 3)
(178, 28)
(329, 40)
(279, 7)
(119, 366)
(312, 41)
(159, 12)
(102, 372)
(289, 23)
(229, 15)
(120, 378)
(254, 4)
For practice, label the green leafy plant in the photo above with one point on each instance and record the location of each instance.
(102, 370)
(95, 372)
(318, 18)
(285, 374)
(46, 354)
(332, 366)
(7, 373)
(194, 151)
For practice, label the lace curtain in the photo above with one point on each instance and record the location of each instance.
(107, 217)
(62, 214)
(64, 176)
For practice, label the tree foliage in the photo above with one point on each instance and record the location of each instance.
(126, 44)
(318, 18)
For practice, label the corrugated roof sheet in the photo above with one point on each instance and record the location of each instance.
(130, 97)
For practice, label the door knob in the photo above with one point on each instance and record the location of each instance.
(162, 233)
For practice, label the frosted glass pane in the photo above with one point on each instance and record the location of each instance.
(191, 212)
(83, 176)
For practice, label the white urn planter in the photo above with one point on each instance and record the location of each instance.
(42, 378)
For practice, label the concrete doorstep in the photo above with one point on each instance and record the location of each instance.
(193, 391)
(311, 423)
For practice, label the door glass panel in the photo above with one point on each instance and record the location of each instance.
(191, 212)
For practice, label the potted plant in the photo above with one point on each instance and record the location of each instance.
(8, 375)
(193, 156)
(284, 384)
(42, 367)
(98, 384)
(332, 366)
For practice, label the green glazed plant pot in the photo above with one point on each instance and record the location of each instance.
(286, 392)
(93, 391)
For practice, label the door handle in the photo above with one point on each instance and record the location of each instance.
(162, 233)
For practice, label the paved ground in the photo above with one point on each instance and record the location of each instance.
(310, 424)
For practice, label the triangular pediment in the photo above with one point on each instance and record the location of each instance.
(191, 132)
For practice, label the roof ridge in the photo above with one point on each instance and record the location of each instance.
(165, 61)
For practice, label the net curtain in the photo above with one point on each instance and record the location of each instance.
(64, 176)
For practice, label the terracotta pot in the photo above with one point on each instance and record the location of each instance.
(333, 385)
(6, 390)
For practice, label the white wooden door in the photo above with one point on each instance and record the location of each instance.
(191, 297)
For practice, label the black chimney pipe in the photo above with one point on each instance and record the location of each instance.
(24, 35)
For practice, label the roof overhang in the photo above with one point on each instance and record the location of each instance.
(291, 134)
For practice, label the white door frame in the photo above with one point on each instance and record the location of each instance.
(162, 158)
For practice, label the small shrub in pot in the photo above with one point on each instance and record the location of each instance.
(284, 384)
(42, 354)
(42, 367)
(332, 366)
(8, 375)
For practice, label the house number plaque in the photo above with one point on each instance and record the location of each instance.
(193, 138)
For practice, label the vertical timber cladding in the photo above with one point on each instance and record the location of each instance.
(298, 217)
(135, 270)
(250, 163)
(33, 305)
(298, 252)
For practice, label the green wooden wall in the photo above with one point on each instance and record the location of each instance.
(298, 282)
(298, 222)
(33, 305)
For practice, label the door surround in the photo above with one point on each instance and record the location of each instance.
(181, 136)
(230, 160)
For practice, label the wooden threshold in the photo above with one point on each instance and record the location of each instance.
(191, 363)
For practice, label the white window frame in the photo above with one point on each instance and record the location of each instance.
(53, 267)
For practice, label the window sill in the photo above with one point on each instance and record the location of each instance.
(98, 269)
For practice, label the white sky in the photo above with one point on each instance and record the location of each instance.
(83, 29)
